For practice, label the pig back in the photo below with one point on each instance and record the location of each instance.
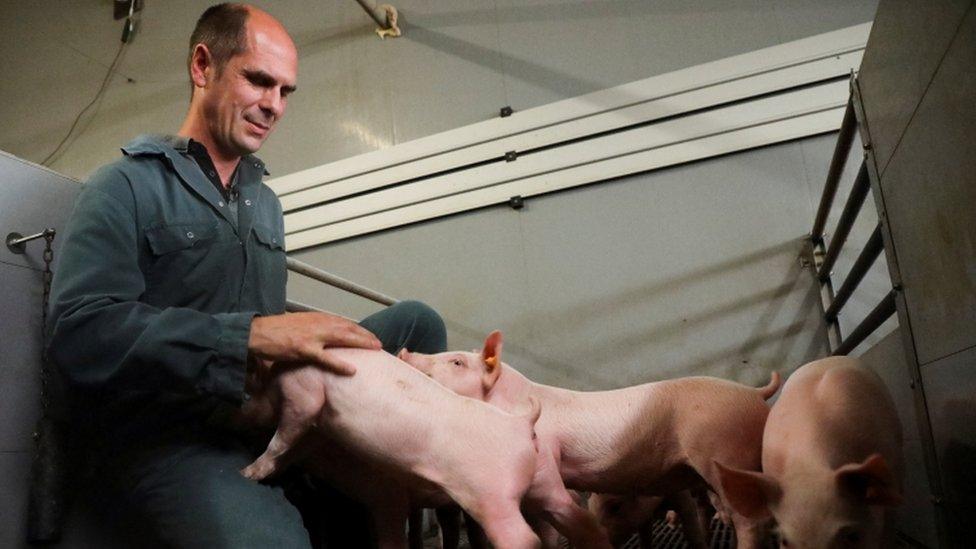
(833, 411)
(400, 418)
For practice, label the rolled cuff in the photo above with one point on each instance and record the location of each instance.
(225, 378)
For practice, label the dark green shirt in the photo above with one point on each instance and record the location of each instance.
(156, 286)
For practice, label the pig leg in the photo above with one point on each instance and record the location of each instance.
(503, 523)
(695, 532)
(476, 534)
(548, 495)
(300, 406)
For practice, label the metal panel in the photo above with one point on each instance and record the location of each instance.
(739, 77)
(929, 191)
(915, 518)
(714, 145)
(950, 387)
(20, 375)
(906, 44)
(51, 193)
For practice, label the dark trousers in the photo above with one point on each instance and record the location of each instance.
(188, 492)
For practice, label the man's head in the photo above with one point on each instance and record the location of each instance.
(242, 65)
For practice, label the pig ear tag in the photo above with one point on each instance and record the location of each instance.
(492, 372)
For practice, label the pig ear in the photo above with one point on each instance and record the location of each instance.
(749, 493)
(870, 481)
(492, 355)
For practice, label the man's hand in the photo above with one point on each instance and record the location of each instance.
(303, 337)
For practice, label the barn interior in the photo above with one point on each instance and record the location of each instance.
(630, 190)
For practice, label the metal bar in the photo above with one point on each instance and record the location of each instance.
(854, 202)
(299, 307)
(864, 261)
(870, 323)
(339, 282)
(372, 13)
(16, 242)
(841, 150)
(923, 419)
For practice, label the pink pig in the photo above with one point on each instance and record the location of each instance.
(651, 439)
(832, 459)
(397, 440)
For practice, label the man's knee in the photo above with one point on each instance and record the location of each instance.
(426, 327)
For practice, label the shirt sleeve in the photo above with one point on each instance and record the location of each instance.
(103, 337)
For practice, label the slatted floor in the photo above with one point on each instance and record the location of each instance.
(665, 536)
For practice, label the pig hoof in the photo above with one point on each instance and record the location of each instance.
(255, 472)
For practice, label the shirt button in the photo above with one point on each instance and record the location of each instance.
(189, 235)
(211, 173)
(221, 203)
(247, 202)
(257, 165)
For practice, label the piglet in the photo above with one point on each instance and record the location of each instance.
(396, 439)
(651, 439)
(832, 459)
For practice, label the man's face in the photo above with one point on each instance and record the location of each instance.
(249, 96)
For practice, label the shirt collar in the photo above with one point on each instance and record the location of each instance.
(148, 144)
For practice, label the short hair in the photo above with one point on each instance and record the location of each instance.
(223, 29)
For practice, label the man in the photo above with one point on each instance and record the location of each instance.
(171, 286)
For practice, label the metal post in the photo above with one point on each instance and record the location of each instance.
(870, 323)
(339, 282)
(841, 150)
(381, 21)
(864, 261)
(854, 202)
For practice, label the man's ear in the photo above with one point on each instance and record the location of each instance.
(749, 493)
(870, 481)
(201, 66)
(491, 354)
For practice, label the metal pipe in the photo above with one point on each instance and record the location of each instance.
(339, 282)
(867, 326)
(299, 307)
(841, 150)
(854, 202)
(381, 21)
(864, 261)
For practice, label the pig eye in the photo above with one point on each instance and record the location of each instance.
(457, 362)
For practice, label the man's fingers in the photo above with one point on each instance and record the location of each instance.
(355, 336)
(330, 363)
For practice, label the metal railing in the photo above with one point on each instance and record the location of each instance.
(299, 267)
(833, 303)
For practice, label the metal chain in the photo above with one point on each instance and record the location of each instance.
(48, 277)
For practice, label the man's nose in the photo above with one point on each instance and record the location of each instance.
(272, 103)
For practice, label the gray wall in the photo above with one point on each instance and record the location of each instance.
(31, 199)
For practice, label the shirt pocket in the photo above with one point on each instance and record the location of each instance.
(189, 266)
(167, 239)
